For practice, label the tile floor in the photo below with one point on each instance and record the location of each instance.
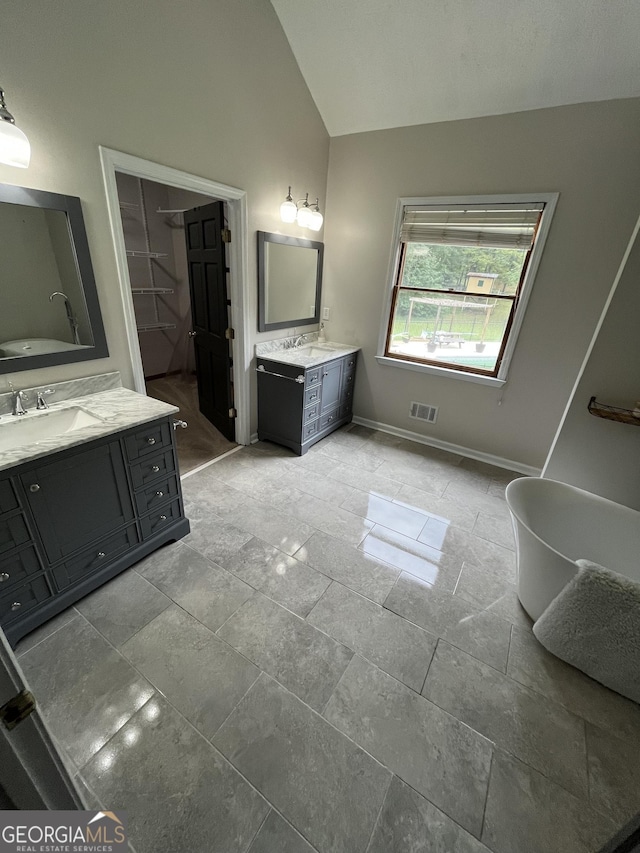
(334, 660)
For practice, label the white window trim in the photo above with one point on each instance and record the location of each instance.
(550, 201)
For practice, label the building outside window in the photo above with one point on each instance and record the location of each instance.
(462, 274)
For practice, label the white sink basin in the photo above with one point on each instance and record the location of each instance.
(316, 350)
(20, 430)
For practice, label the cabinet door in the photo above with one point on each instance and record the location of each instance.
(78, 500)
(331, 378)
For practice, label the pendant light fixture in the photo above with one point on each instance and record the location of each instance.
(14, 145)
(305, 214)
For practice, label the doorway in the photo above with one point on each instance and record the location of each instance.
(173, 193)
(176, 261)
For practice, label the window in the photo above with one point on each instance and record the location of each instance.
(461, 278)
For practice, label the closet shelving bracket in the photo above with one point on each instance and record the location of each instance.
(612, 413)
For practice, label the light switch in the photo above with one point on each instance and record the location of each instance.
(325, 313)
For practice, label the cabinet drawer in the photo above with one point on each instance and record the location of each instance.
(311, 396)
(160, 519)
(350, 362)
(345, 411)
(346, 397)
(156, 495)
(17, 567)
(96, 557)
(348, 378)
(308, 430)
(151, 468)
(13, 532)
(147, 440)
(8, 499)
(16, 602)
(312, 376)
(328, 419)
(311, 413)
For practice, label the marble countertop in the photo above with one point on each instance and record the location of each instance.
(309, 355)
(117, 409)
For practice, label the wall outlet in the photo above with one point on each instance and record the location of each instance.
(326, 313)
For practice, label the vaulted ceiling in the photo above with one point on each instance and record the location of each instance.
(372, 64)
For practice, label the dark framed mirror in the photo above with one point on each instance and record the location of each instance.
(289, 281)
(50, 311)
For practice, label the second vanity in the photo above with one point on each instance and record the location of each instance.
(97, 491)
(304, 392)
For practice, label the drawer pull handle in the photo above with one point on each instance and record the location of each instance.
(4, 576)
(101, 555)
(34, 487)
(16, 605)
(155, 469)
(163, 518)
(159, 494)
(325, 374)
(151, 441)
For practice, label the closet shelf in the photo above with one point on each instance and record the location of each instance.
(155, 327)
(129, 205)
(152, 290)
(134, 254)
(612, 413)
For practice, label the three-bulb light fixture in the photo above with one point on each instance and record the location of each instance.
(305, 214)
(14, 145)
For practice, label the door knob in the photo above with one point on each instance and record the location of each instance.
(34, 487)
(192, 334)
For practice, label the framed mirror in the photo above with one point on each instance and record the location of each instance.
(50, 311)
(289, 281)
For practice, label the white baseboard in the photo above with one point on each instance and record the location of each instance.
(489, 458)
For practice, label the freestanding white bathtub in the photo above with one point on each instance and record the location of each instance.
(556, 524)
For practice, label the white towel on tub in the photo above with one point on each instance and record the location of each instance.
(594, 624)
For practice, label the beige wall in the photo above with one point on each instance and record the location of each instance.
(210, 87)
(599, 455)
(588, 153)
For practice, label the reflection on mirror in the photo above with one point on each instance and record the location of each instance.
(50, 312)
(289, 281)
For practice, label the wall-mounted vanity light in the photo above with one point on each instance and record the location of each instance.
(305, 214)
(14, 145)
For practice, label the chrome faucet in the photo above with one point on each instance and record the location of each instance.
(18, 408)
(300, 340)
(73, 322)
(41, 403)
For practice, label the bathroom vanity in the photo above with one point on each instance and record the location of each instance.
(304, 392)
(98, 491)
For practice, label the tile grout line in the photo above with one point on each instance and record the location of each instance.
(486, 799)
(379, 815)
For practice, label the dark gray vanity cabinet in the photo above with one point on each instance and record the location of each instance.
(298, 407)
(73, 520)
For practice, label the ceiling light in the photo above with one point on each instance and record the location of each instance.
(14, 145)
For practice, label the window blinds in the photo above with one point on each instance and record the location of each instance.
(503, 226)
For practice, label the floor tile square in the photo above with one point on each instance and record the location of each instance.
(179, 793)
(278, 836)
(410, 824)
(520, 721)
(275, 574)
(379, 510)
(123, 606)
(350, 566)
(526, 811)
(532, 665)
(208, 592)
(408, 555)
(614, 774)
(199, 674)
(446, 761)
(475, 631)
(303, 659)
(395, 645)
(325, 785)
(86, 689)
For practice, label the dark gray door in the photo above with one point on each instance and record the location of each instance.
(331, 378)
(210, 314)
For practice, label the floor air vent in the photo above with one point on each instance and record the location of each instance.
(423, 412)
